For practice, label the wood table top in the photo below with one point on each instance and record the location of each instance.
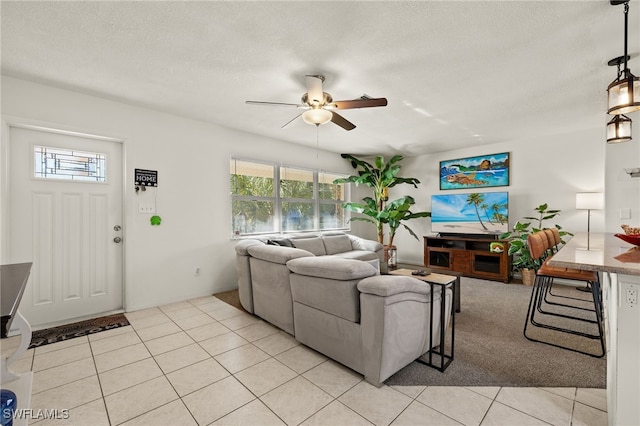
(430, 278)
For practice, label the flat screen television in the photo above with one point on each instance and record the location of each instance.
(474, 213)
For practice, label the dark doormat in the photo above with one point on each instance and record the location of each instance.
(77, 329)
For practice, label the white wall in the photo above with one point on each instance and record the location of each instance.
(193, 198)
(623, 191)
(548, 171)
(192, 160)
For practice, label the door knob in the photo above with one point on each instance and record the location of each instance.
(117, 228)
(117, 239)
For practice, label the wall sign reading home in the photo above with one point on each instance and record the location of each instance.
(475, 172)
(146, 177)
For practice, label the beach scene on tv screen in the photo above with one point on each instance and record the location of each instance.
(470, 213)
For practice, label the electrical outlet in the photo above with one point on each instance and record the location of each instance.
(632, 295)
(146, 208)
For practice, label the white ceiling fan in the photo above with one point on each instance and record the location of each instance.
(320, 106)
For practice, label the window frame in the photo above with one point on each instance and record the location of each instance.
(278, 199)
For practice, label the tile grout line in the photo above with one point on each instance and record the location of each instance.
(270, 357)
(179, 398)
(95, 367)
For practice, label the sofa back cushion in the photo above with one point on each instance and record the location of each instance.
(337, 243)
(329, 284)
(313, 245)
(332, 268)
(276, 254)
(339, 298)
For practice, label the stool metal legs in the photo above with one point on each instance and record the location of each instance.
(537, 300)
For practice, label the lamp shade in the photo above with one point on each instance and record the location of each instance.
(317, 116)
(624, 94)
(619, 129)
(589, 201)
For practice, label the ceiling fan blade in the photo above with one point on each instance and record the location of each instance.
(290, 121)
(273, 103)
(314, 88)
(341, 121)
(364, 102)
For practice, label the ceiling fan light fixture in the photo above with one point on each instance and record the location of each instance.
(317, 116)
(619, 129)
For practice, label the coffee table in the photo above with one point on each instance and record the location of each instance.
(444, 281)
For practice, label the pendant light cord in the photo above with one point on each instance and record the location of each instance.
(626, 23)
(317, 140)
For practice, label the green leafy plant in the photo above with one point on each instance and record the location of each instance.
(398, 211)
(521, 230)
(377, 209)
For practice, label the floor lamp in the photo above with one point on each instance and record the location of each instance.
(589, 201)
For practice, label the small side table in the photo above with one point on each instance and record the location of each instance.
(444, 282)
(13, 280)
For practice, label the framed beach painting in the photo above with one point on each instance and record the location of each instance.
(475, 172)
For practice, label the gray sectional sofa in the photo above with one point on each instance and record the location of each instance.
(335, 301)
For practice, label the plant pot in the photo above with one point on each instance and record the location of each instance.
(528, 275)
(391, 256)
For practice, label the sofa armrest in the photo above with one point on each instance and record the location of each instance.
(395, 320)
(243, 245)
(276, 254)
(389, 285)
(361, 244)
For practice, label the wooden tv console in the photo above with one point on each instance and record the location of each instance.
(471, 256)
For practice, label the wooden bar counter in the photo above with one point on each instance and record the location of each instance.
(618, 264)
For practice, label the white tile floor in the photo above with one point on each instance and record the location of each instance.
(203, 362)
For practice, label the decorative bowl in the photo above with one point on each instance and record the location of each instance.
(631, 239)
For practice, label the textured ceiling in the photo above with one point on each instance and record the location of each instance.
(456, 74)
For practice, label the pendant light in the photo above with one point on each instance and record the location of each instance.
(624, 93)
(619, 129)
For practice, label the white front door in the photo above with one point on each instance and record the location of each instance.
(69, 227)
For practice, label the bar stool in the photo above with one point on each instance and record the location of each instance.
(540, 246)
(553, 241)
(571, 274)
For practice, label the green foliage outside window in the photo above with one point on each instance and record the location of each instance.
(306, 200)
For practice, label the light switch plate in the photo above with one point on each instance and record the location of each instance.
(625, 213)
(146, 208)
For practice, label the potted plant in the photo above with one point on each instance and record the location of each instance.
(377, 209)
(518, 247)
(398, 211)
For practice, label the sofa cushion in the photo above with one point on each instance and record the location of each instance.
(375, 263)
(332, 268)
(337, 243)
(357, 255)
(276, 254)
(313, 245)
(388, 285)
(339, 298)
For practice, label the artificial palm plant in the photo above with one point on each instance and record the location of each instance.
(377, 209)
